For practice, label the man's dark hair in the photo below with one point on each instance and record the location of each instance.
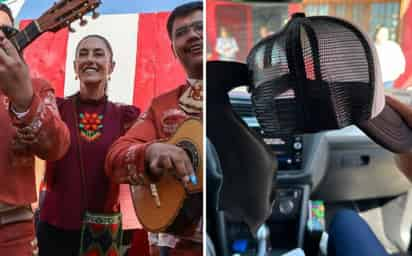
(6, 9)
(182, 11)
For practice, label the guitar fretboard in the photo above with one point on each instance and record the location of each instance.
(26, 36)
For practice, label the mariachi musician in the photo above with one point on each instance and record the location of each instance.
(140, 150)
(30, 125)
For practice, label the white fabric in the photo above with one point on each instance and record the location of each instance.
(391, 59)
(379, 94)
(162, 239)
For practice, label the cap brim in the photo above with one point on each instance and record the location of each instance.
(389, 130)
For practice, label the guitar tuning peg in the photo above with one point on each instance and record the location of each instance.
(83, 22)
(95, 14)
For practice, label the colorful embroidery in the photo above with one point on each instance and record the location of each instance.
(171, 119)
(191, 101)
(101, 235)
(132, 176)
(38, 119)
(90, 126)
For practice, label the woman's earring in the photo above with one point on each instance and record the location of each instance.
(76, 77)
(108, 78)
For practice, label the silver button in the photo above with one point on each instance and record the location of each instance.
(286, 206)
(297, 145)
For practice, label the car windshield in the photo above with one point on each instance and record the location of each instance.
(235, 27)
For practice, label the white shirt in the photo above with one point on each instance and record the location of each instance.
(391, 59)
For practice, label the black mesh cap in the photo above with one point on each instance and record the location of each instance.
(315, 74)
(318, 73)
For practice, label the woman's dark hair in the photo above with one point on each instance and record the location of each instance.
(106, 42)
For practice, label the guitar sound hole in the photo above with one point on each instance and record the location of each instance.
(191, 151)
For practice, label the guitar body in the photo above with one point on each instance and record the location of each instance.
(180, 209)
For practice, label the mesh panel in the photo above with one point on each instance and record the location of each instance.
(273, 100)
(345, 67)
(307, 55)
(334, 77)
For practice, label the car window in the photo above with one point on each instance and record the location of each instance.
(234, 27)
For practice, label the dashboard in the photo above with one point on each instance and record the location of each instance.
(287, 149)
(338, 165)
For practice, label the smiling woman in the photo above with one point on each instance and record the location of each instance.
(93, 66)
(78, 179)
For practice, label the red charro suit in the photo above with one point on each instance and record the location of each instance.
(17, 183)
(126, 157)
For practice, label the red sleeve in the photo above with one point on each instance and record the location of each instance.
(53, 137)
(126, 157)
(129, 115)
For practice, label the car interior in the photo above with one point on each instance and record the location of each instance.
(340, 168)
(315, 175)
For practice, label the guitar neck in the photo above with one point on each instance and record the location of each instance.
(22, 39)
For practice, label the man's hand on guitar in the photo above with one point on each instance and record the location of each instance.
(15, 80)
(161, 157)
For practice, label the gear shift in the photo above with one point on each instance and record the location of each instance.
(263, 241)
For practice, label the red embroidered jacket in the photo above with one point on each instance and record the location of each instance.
(126, 155)
(17, 183)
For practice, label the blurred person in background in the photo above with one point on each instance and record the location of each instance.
(391, 57)
(226, 45)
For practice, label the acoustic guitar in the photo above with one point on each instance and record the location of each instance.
(60, 15)
(166, 205)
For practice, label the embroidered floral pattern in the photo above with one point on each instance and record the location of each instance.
(46, 105)
(133, 177)
(90, 126)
